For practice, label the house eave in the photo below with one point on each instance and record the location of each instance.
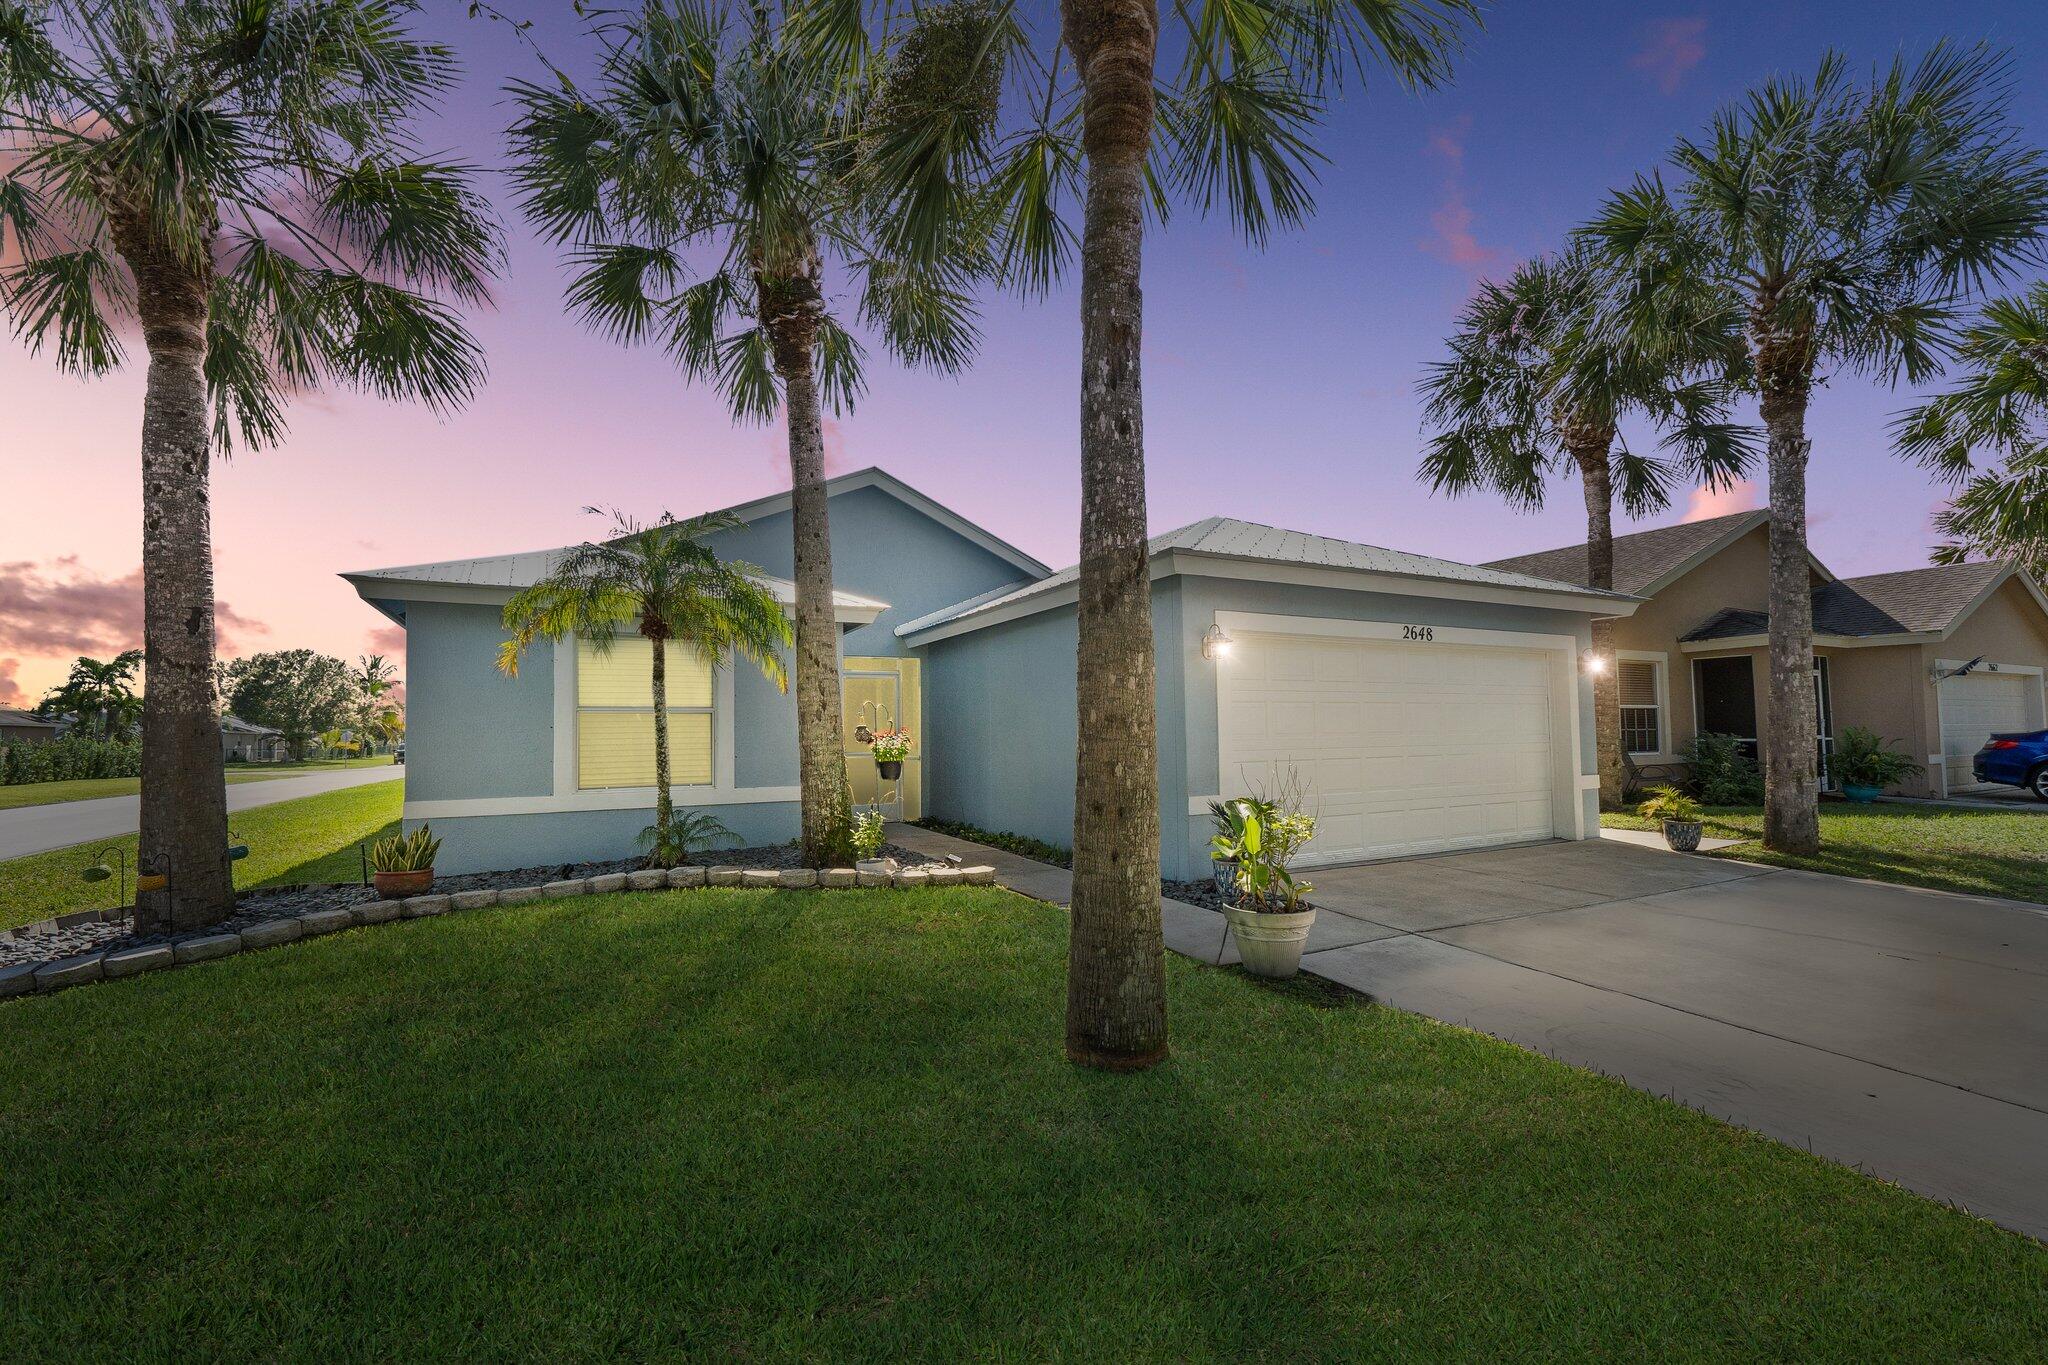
(377, 591)
(1192, 563)
(1820, 641)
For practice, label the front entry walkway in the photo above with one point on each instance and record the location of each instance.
(1897, 1030)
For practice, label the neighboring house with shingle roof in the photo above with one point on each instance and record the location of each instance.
(26, 727)
(1936, 658)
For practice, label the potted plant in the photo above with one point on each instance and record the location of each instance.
(1226, 846)
(1271, 918)
(891, 748)
(1864, 764)
(403, 865)
(1682, 817)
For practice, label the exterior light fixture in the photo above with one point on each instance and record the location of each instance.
(1594, 662)
(1215, 644)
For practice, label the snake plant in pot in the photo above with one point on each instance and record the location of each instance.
(403, 865)
(1271, 917)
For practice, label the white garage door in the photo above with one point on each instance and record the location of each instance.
(1973, 708)
(1401, 747)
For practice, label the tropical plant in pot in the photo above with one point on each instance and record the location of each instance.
(891, 747)
(1864, 764)
(1226, 846)
(1271, 918)
(403, 865)
(1682, 817)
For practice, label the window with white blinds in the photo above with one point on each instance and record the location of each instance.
(1642, 709)
(615, 715)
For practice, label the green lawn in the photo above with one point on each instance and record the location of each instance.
(51, 793)
(311, 839)
(1982, 852)
(805, 1125)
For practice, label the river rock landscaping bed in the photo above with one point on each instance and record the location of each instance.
(91, 945)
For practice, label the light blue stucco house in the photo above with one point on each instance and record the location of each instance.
(1417, 704)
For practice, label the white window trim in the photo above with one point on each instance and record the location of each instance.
(1662, 753)
(1567, 694)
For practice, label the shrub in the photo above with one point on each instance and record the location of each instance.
(1862, 758)
(1722, 775)
(1669, 803)
(72, 758)
(412, 852)
(689, 833)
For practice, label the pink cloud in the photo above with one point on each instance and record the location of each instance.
(1707, 503)
(11, 693)
(1671, 48)
(63, 608)
(387, 640)
(1453, 239)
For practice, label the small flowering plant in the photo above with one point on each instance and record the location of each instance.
(891, 746)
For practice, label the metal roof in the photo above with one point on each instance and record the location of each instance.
(1229, 538)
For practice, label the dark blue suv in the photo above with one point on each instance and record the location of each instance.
(2015, 760)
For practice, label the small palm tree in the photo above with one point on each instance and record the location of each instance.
(1845, 223)
(373, 678)
(1538, 383)
(239, 178)
(706, 185)
(2000, 409)
(1103, 135)
(665, 583)
(99, 694)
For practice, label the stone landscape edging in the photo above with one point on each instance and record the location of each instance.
(42, 978)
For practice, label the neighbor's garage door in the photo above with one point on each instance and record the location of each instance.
(1973, 708)
(1401, 747)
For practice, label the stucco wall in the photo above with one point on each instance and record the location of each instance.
(470, 731)
(1885, 688)
(1000, 705)
(885, 550)
(487, 843)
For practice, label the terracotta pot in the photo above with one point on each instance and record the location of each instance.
(393, 886)
(1270, 944)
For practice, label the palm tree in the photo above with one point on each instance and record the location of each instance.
(99, 694)
(667, 584)
(1844, 222)
(1538, 383)
(1097, 121)
(705, 186)
(2000, 408)
(239, 179)
(373, 678)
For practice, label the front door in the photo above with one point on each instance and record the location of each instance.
(871, 701)
(1726, 693)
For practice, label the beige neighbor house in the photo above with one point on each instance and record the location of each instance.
(1935, 658)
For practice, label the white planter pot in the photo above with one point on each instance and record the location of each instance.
(1270, 944)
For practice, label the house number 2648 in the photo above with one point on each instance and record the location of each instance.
(1418, 632)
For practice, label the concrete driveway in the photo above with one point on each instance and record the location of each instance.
(1901, 1031)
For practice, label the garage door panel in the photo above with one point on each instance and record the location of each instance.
(1403, 747)
(1976, 706)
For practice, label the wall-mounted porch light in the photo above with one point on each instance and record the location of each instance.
(1215, 644)
(1594, 662)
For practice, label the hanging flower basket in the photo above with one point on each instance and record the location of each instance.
(891, 748)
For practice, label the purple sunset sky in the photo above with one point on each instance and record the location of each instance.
(1280, 386)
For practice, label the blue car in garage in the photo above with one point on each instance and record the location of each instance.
(2015, 760)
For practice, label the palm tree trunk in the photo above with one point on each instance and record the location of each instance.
(184, 792)
(1597, 476)
(1791, 781)
(1116, 970)
(792, 309)
(664, 806)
